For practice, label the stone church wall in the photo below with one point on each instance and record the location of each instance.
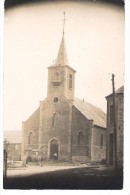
(31, 125)
(98, 152)
(60, 131)
(81, 151)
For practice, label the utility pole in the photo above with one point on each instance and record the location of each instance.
(115, 124)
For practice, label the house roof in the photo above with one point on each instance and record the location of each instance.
(13, 136)
(118, 91)
(91, 112)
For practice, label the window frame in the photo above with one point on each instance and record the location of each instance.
(55, 120)
(80, 138)
(30, 136)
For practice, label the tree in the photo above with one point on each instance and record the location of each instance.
(6, 145)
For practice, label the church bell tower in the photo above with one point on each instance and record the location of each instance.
(61, 77)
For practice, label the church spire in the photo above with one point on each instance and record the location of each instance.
(62, 59)
(64, 23)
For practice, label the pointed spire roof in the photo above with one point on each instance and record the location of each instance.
(62, 59)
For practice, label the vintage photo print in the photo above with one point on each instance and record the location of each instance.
(63, 92)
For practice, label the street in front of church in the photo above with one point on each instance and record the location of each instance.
(64, 177)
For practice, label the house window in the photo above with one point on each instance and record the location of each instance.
(101, 140)
(30, 138)
(70, 81)
(111, 114)
(80, 138)
(54, 119)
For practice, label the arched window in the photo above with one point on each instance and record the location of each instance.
(70, 81)
(80, 138)
(30, 138)
(54, 119)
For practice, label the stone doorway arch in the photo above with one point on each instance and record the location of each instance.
(54, 149)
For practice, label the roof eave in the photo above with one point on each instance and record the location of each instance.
(53, 66)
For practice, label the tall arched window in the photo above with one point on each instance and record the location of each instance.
(70, 81)
(54, 119)
(80, 138)
(30, 138)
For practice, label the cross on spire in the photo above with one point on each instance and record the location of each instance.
(64, 23)
(62, 59)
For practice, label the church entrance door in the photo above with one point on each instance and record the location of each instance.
(54, 149)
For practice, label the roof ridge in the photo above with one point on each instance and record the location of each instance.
(91, 104)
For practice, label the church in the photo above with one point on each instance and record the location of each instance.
(64, 128)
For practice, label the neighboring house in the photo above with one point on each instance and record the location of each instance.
(64, 128)
(119, 115)
(14, 138)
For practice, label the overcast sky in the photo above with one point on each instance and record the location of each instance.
(94, 35)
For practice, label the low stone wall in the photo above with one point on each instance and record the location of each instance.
(15, 164)
(80, 159)
(98, 153)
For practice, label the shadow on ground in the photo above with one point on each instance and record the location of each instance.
(77, 178)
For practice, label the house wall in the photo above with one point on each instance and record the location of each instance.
(120, 128)
(119, 105)
(14, 152)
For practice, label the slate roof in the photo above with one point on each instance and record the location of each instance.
(62, 58)
(91, 112)
(13, 136)
(118, 91)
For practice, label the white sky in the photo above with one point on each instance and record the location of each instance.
(94, 35)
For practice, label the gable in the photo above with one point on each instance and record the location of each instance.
(34, 117)
(118, 91)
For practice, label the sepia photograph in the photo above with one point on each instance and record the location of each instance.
(63, 101)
